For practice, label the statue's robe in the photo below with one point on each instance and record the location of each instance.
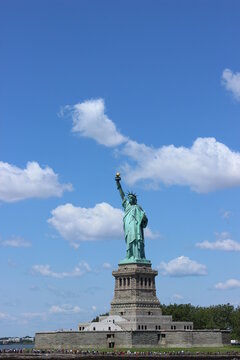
(134, 221)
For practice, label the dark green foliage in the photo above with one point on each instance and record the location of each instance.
(235, 322)
(224, 317)
(183, 312)
(96, 319)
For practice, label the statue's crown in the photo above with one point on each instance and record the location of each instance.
(130, 193)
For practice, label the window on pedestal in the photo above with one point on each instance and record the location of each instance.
(124, 281)
(128, 281)
(120, 282)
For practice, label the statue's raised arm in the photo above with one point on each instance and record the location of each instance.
(119, 187)
(134, 221)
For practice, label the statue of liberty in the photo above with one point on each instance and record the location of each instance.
(134, 221)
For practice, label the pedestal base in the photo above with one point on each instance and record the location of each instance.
(134, 290)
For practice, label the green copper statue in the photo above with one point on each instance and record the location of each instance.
(134, 221)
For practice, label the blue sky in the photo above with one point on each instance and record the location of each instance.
(88, 88)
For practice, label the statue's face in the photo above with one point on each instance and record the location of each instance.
(132, 199)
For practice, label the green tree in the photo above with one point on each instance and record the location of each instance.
(235, 322)
(213, 317)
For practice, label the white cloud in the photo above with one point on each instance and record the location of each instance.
(207, 166)
(33, 315)
(4, 316)
(177, 297)
(7, 317)
(77, 224)
(107, 265)
(231, 82)
(225, 245)
(83, 224)
(226, 214)
(45, 270)
(90, 121)
(66, 309)
(222, 243)
(229, 284)
(182, 266)
(151, 235)
(32, 182)
(16, 243)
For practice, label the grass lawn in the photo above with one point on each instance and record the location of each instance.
(195, 350)
(228, 349)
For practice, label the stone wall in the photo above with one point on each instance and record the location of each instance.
(129, 339)
(208, 338)
(82, 340)
(144, 339)
(191, 338)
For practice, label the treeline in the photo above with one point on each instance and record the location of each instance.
(224, 317)
(96, 319)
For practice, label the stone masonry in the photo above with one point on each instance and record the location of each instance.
(135, 299)
(135, 320)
